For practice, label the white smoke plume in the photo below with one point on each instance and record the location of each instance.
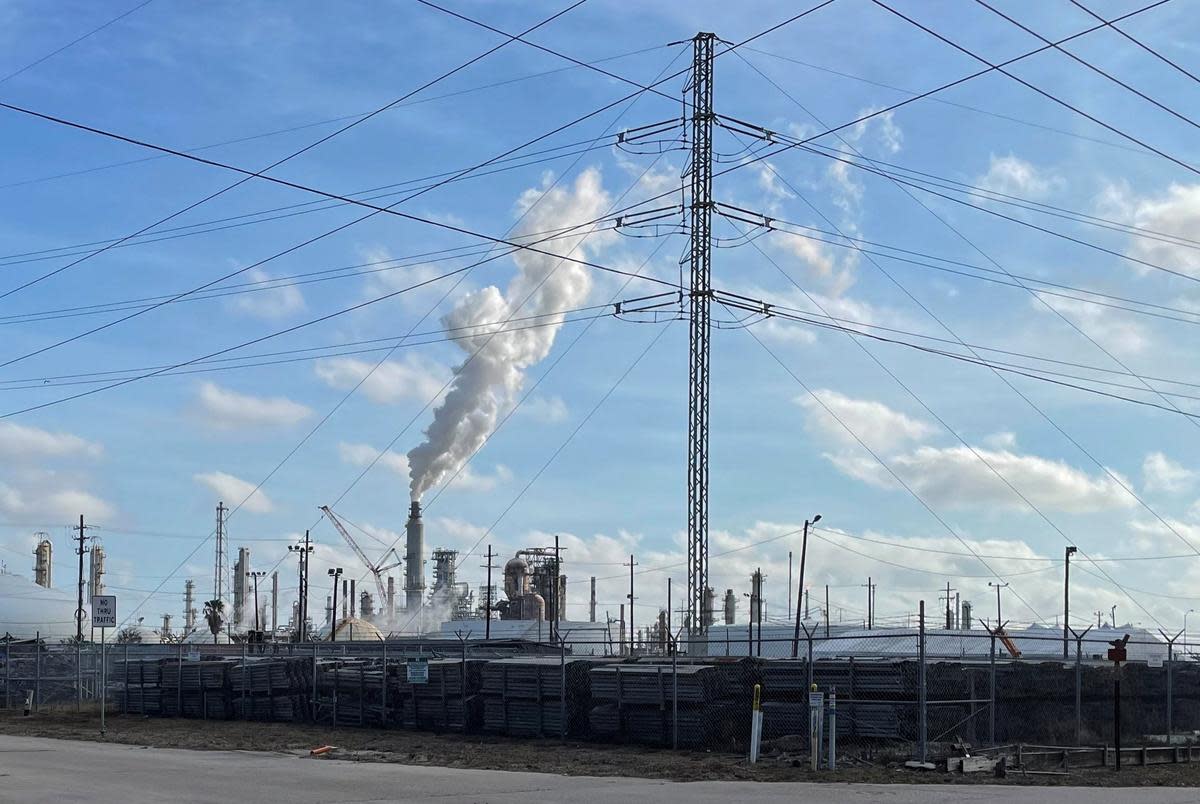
(485, 385)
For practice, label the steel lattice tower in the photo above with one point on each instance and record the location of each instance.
(700, 262)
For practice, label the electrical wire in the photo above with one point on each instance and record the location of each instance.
(325, 122)
(1048, 95)
(248, 175)
(75, 41)
(1137, 42)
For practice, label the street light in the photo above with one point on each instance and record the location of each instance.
(335, 574)
(800, 588)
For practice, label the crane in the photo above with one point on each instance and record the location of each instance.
(378, 568)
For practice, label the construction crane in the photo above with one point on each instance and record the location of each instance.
(377, 568)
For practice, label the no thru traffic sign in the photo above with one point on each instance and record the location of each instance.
(104, 611)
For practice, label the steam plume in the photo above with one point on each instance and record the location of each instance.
(485, 385)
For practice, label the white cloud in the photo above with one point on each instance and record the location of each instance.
(545, 409)
(956, 478)
(1160, 473)
(1115, 331)
(412, 377)
(45, 497)
(364, 454)
(1011, 175)
(235, 490)
(227, 410)
(875, 423)
(272, 302)
(1001, 440)
(890, 135)
(1175, 213)
(770, 184)
(19, 443)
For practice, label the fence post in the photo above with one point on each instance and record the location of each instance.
(992, 691)
(1170, 701)
(562, 690)
(141, 685)
(244, 690)
(313, 699)
(37, 672)
(675, 694)
(383, 714)
(1078, 690)
(7, 666)
(78, 680)
(179, 688)
(923, 732)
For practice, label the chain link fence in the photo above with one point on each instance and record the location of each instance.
(882, 694)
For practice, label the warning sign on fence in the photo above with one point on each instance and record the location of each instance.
(418, 671)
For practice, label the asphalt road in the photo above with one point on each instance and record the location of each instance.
(36, 770)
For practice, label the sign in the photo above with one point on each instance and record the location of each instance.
(104, 611)
(418, 671)
(1116, 654)
(1154, 661)
(193, 655)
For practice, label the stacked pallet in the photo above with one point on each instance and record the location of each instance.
(449, 701)
(139, 686)
(870, 697)
(635, 703)
(525, 697)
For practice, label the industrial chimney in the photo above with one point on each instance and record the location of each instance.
(414, 566)
(730, 607)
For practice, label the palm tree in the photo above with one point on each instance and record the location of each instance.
(214, 613)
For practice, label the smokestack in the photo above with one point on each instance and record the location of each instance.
(592, 603)
(391, 599)
(353, 596)
(189, 608)
(730, 607)
(966, 615)
(345, 594)
(414, 567)
(275, 601)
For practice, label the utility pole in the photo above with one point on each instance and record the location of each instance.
(670, 624)
(998, 586)
(82, 538)
(631, 620)
(789, 589)
(870, 603)
(827, 611)
(803, 558)
(949, 613)
(557, 615)
(592, 602)
(304, 551)
(699, 299)
(487, 594)
(1071, 550)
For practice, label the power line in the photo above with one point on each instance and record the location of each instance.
(1137, 42)
(325, 122)
(75, 41)
(1039, 90)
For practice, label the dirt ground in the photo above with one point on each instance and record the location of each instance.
(544, 756)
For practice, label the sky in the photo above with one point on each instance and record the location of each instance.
(926, 470)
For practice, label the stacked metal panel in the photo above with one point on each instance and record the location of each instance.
(450, 701)
(525, 697)
(637, 703)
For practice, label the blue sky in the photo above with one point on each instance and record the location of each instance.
(148, 461)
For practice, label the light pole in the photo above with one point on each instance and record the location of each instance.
(998, 586)
(800, 587)
(256, 575)
(335, 574)
(304, 550)
(1071, 550)
(1114, 615)
(1185, 614)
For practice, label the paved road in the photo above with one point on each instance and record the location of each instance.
(33, 771)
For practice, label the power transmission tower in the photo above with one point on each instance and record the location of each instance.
(221, 558)
(700, 296)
